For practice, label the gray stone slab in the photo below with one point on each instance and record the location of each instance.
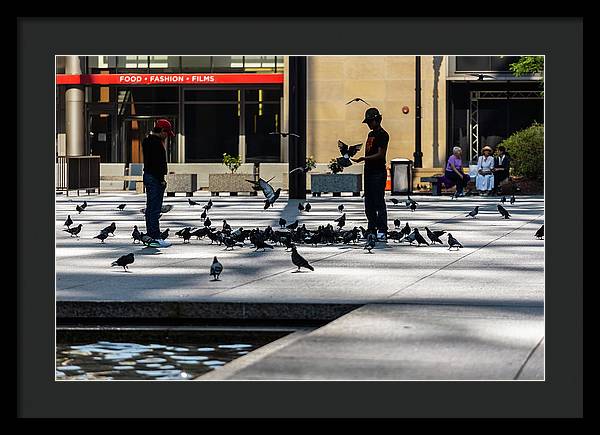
(404, 342)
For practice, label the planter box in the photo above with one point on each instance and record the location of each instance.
(184, 183)
(336, 184)
(232, 183)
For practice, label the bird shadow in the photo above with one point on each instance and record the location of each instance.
(300, 271)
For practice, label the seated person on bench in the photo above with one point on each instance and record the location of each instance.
(501, 167)
(454, 172)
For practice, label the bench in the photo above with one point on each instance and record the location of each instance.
(436, 183)
(137, 179)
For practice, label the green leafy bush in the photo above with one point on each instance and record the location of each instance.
(232, 162)
(526, 149)
(311, 163)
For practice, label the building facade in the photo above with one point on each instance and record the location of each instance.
(230, 104)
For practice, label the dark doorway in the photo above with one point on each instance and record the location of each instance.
(100, 136)
(133, 132)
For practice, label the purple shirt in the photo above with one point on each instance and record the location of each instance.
(457, 162)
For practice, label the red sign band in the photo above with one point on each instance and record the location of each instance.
(166, 79)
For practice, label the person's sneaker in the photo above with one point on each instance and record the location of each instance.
(152, 243)
(381, 237)
(163, 243)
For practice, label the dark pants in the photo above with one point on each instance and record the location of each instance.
(375, 208)
(154, 199)
(460, 182)
(499, 177)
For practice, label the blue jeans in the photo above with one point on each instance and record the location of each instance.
(375, 208)
(154, 198)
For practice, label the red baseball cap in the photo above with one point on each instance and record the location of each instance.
(165, 125)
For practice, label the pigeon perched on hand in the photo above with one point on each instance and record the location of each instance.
(453, 243)
(473, 212)
(74, 231)
(215, 269)
(68, 222)
(121, 206)
(540, 233)
(505, 214)
(123, 261)
(299, 261)
(347, 152)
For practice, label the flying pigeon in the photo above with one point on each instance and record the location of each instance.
(299, 261)
(215, 269)
(68, 222)
(270, 194)
(453, 243)
(505, 214)
(74, 231)
(123, 261)
(357, 99)
(121, 206)
(282, 134)
(256, 184)
(473, 212)
(347, 152)
(540, 233)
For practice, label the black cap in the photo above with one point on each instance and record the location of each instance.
(371, 113)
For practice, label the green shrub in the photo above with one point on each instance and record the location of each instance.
(232, 162)
(526, 149)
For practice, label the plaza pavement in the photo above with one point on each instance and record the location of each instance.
(478, 309)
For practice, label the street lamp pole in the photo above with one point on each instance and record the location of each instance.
(297, 125)
(418, 155)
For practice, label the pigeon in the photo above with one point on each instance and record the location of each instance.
(307, 207)
(292, 226)
(261, 244)
(473, 212)
(540, 233)
(397, 223)
(79, 209)
(503, 212)
(512, 199)
(165, 234)
(136, 235)
(121, 206)
(74, 231)
(341, 208)
(123, 261)
(347, 152)
(394, 201)
(230, 243)
(270, 194)
(434, 236)
(226, 226)
(299, 261)
(503, 200)
(419, 238)
(482, 76)
(453, 243)
(371, 242)
(207, 222)
(341, 220)
(208, 205)
(68, 222)
(357, 99)
(282, 134)
(405, 231)
(410, 201)
(203, 215)
(300, 207)
(84, 205)
(282, 222)
(413, 206)
(191, 202)
(215, 269)
(110, 229)
(302, 169)
(102, 236)
(186, 235)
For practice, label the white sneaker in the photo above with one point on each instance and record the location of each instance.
(381, 237)
(163, 243)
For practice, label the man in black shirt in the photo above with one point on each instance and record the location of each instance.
(501, 167)
(375, 174)
(155, 169)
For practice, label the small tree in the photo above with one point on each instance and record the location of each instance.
(311, 163)
(232, 162)
(526, 149)
(528, 65)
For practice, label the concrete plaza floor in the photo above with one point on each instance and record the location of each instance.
(484, 302)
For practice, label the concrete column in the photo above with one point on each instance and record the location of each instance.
(74, 111)
(284, 124)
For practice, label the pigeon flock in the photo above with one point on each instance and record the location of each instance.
(288, 235)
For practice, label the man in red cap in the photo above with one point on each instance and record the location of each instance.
(155, 169)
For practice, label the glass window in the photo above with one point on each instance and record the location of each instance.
(159, 94)
(230, 95)
(472, 63)
(210, 131)
(502, 63)
(261, 95)
(154, 109)
(193, 64)
(225, 64)
(260, 120)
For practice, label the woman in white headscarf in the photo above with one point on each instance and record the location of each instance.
(484, 182)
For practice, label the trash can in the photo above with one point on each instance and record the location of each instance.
(401, 175)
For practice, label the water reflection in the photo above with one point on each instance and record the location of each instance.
(105, 360)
